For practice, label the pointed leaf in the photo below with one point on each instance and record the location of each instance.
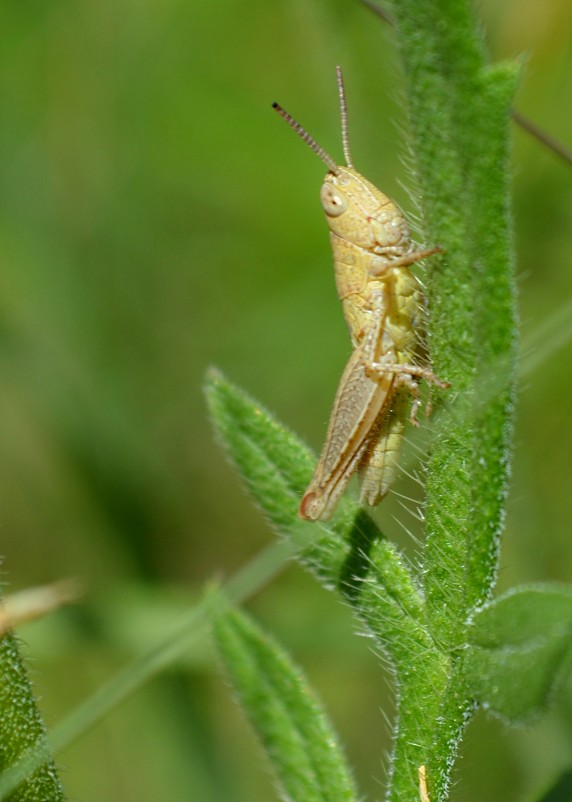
(296, 734)
(28, 773)
(276, 467)
(274, 464)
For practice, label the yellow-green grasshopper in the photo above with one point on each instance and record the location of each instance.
(383, 307)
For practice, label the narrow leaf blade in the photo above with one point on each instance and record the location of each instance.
(294, 731)
(276, 468)
(23, 778)
(275, 465)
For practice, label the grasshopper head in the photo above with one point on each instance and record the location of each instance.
(360, 213)
(355, 210)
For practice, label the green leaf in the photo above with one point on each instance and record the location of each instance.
(274, 464)
(459, 114)
(519, 646)
(348, 552)
(294, 731)
(276, 467)
(28, 773)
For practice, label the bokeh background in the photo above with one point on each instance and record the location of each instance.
(156, 218)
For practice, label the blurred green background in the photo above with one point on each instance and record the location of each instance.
(156, 218)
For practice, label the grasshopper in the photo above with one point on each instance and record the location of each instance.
(383, 307)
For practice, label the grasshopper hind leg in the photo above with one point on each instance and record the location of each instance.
(379, 464)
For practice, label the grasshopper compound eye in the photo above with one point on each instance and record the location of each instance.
(333, 201)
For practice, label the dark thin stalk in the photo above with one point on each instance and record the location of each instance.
(542, 136)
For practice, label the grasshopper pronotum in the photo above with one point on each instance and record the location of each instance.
(383, 308)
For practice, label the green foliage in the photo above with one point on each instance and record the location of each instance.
(519, 645)
(513, 651)
(156, 218)
(22, 733)
(295, 732)
(459, 117)
(462, 175)
(459, 113)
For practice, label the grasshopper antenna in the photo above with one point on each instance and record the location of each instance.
(344, 114)
(309, 140)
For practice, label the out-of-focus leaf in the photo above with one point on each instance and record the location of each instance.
(519, 645)
(560, 790)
